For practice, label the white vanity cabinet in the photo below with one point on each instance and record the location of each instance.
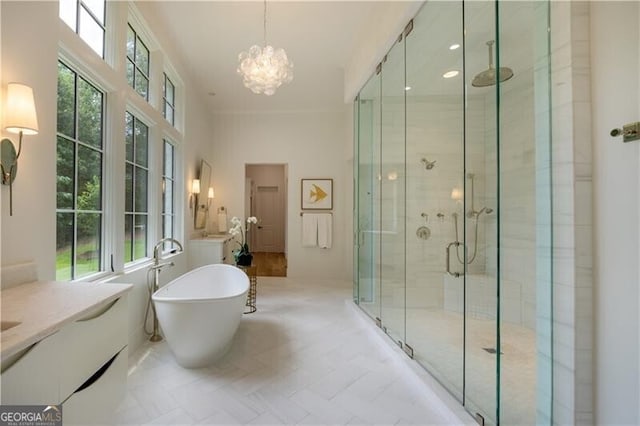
(205, 251)
(82, 364)
(93, 370)
(31, 375)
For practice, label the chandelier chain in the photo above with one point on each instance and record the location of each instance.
(264, 34)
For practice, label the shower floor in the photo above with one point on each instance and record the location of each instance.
(436, 337)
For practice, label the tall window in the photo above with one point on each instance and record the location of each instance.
(168, 193)
(80, 140)
(136, 189)
(87, 19)
(137, 63)
(169, 96)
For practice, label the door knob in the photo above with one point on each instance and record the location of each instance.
(259, 227)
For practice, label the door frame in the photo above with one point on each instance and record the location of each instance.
(250, 200)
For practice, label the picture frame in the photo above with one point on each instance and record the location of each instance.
(316, 194)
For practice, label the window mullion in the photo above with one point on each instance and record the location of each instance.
(93, 16)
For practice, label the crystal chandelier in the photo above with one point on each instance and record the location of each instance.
(264, 69)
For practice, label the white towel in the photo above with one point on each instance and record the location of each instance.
(309, 230)
(222, 222)
(324, 230)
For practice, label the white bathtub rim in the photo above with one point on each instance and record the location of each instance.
(157, 297)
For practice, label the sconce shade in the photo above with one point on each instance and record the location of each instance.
(195, 186)
(211, 194)
(20, 110)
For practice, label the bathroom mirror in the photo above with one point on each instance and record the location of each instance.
(202, 206)
(7, 160)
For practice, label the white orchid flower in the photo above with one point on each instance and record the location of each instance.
(237, 229)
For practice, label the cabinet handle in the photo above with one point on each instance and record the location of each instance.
(10, 361)
(96, 376)
(101, 310)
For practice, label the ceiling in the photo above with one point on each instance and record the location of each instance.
(318, 36)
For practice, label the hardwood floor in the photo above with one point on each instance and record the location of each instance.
(270, 264)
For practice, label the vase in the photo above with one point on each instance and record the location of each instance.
(244, 259)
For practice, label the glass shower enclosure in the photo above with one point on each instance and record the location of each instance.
(452, 203)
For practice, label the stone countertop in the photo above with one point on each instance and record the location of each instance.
(44, 307)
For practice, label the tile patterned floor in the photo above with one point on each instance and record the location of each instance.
(307, 357)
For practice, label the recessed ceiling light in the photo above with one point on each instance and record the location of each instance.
(454, 46)
(450, 74)
(407, 88)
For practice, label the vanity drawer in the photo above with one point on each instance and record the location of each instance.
(98, 401)
(31, 376)
(92, 341)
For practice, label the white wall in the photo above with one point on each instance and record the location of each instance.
(386, 21)
(615, 60)
(29, 55)
(312, 143)
(31, 33)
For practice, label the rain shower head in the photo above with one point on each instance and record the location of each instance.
(490, 76)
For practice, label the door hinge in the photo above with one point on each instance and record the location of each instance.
(408, 350)
(408, 28)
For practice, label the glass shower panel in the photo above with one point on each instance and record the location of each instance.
(368, 194)
(480, 255)
(434, 168)
(356, 138)
(524, 206)
(392, 187)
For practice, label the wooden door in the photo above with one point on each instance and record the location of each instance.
(269, 211)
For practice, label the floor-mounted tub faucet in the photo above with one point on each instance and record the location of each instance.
(153, 287)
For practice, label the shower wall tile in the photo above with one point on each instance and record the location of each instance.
(572, 186)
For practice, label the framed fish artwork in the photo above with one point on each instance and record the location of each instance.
(317, 194)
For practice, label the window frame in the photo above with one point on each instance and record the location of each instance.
(133, 61)
(148, 192)
(102, 23)
(165, 101)
(173, 180)
(110, 77)
(74, 210)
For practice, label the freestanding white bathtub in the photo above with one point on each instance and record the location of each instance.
(200, 311)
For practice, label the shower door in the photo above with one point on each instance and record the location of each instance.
(368, 197)
(392, 193)
(453, 203)
(435, 184)
(481, 211)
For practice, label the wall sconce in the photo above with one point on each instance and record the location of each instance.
(195, 191)
(21, 119)
(456, 194)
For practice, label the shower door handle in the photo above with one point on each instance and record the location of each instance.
(448, 258)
